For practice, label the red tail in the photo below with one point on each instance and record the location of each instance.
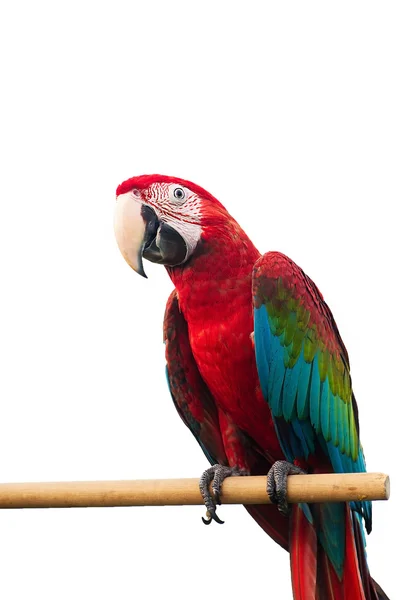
(303, 555)
(313, 575)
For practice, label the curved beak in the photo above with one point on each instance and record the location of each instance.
(140, 234)
(130, 230)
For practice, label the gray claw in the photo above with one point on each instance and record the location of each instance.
(215, 474)
(277, 483)
(212, 516)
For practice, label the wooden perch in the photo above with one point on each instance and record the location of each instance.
(170, 492)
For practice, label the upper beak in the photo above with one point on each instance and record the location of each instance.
(130, 230)
(139, 233)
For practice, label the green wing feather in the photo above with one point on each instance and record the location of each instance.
(304, 369)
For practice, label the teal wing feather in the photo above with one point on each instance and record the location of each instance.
(304, 374)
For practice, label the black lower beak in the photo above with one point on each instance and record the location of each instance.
(163, 244)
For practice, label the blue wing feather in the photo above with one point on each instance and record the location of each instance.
(314, 395)
(303, 397)
(306, 394)
(290, 390)
(333, 420)
(325, 394)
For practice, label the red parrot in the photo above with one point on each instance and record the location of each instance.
(258, 372)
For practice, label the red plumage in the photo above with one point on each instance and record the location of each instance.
(303, 555)
(215, 384)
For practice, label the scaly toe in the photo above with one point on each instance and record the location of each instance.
(277, 483)
(217, 474)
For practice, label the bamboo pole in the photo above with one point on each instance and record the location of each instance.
(170, 492)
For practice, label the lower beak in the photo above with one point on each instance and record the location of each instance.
(132, 230)
(140, 234)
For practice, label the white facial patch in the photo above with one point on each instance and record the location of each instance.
(180, 208)
(190, 232)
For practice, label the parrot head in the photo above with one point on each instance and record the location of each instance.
(163, 219)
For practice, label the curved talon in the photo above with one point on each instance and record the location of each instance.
(211, 513)
(215, 474)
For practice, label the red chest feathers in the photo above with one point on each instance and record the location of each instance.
(224, 353)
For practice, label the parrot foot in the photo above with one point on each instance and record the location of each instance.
(215, 474)
(277, 483)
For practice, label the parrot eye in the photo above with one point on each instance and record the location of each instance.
(179, 194)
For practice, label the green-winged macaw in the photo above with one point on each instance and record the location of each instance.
(258, 372)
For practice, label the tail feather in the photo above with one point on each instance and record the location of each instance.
(352, 583)
(373, 590)
(329, 587)
(303, 555)
(379, 591)
(314, 574)
(368, 583)
(314, 577)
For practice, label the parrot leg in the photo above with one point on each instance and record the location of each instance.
(277, 483)
(215, 474)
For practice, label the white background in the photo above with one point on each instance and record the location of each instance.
(288, 112)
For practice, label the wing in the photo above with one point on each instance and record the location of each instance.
(197, 409)
(190, 394)
(304, 369)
